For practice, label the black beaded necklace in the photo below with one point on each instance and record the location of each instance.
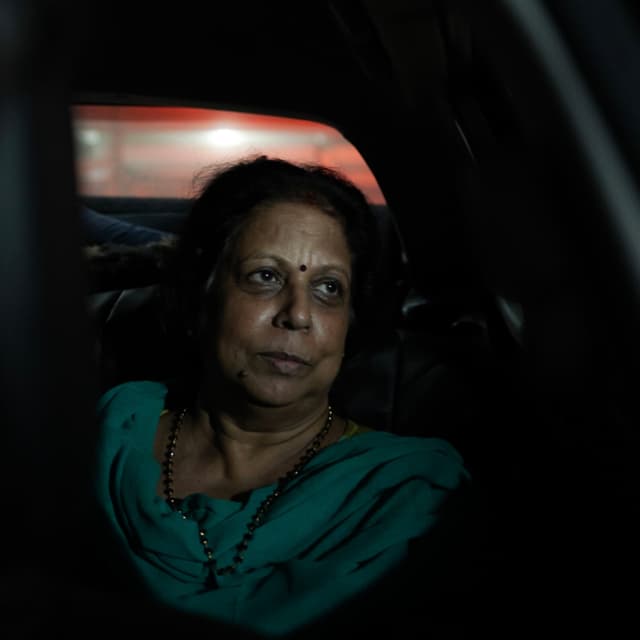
(264, 507)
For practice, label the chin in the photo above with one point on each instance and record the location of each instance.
(275, 399)
(279, 395)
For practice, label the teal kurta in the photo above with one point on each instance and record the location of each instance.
(336, 529)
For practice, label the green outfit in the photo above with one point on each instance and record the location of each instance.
(337, 528)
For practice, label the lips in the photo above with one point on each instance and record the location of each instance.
(285, 363)
(284, 356)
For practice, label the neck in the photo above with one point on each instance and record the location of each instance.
(265, 427)
(259, 438)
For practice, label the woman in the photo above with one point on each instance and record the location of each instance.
(240, 494)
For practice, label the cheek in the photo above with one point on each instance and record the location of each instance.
(239, 323)
(331, 347)
(332, 333)
(228, 331)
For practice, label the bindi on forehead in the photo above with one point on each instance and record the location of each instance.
(303, 267)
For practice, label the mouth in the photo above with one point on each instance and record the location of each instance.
(285, 363)
(284, 357)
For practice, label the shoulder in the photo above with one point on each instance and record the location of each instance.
(129, 398)
(134, 390)
(396, 444)
(432, 459)
(391, 458)
(127, 417)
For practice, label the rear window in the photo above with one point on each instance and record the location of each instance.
(143, 151)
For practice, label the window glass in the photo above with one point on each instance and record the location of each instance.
(145, 151)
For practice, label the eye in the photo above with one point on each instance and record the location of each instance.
(264, 276)
(330, 289)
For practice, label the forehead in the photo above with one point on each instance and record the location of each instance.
(291, 226)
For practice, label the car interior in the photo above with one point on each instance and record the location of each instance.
(505, 140)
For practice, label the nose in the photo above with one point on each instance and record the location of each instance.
(294, 312)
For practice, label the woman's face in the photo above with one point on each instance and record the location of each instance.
(284, 300)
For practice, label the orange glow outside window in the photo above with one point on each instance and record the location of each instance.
(143, 151)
